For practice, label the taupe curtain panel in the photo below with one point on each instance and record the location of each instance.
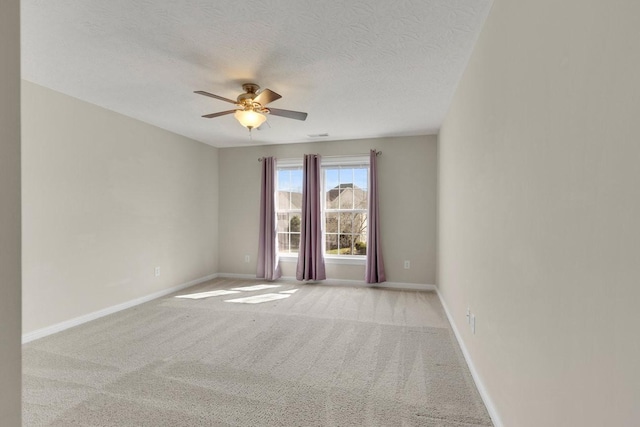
(374, 270)
(311, 255)
(268, 267)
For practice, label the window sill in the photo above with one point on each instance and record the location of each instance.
(345, 260)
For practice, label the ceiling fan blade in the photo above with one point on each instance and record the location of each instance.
(221, 113)
(288, 114)
(221, 98)
(266, 96)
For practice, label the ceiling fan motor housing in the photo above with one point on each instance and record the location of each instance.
(250, 92)
(246, 100)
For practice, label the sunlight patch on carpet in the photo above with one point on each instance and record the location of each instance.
(257, 299)
(207, 294)
(255, 287)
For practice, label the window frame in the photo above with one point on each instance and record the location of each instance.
(285, 164)
(326, 163)
(347, 162)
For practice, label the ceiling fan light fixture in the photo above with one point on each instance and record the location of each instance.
(251, 106)
(249, 118)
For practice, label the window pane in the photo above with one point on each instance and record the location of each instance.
(350, 249)
(345, 242)
(283, 223)
(360, 225)
(294, 223)
(361, 199)
(283, 242)
(283, 200)
(332, 243)
(331, 178)
(332, 188)
(331, 222)
(295, 242)
(361, 246)
(296, 200)
(346, 196)
(332, 200)
(360, 178)
(284, 180)
(296, 181)
(346, 222)
(346, 176)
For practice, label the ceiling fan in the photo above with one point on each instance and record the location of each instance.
(252, 106)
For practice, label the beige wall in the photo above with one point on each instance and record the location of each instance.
(10, 363)
(106, 199)
(407, 181)
(539, 187)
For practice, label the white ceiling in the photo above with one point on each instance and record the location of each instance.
(359, 68)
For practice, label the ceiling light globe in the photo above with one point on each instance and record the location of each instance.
(249, 118)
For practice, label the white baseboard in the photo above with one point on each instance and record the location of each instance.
(484, 394)
(237, 276)
(406, 286)
(58, 327)
(391, 285)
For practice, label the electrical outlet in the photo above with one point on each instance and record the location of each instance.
(407, 264)
(247, 258)
(473, 324)
(468, 315)
(157, 271)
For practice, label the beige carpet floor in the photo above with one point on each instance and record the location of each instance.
(321, 356)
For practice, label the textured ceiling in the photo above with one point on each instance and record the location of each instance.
(359, 68)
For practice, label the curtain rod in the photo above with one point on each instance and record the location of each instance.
(378, 153)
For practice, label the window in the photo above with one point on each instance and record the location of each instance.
(289, 208)
(345, 209)
(344, 206)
